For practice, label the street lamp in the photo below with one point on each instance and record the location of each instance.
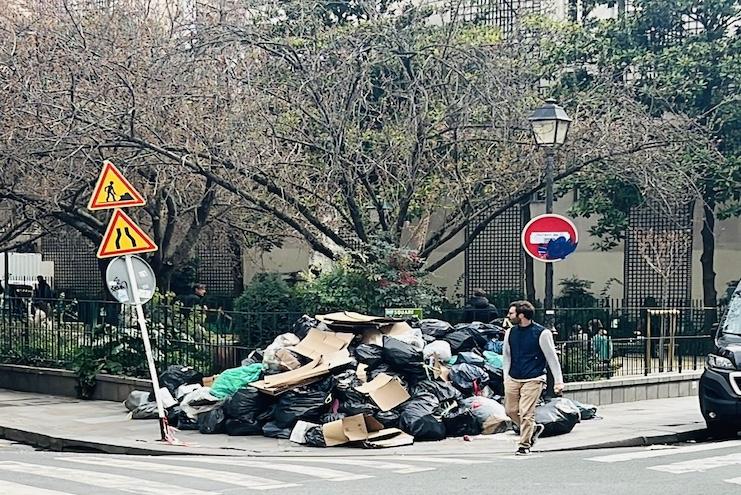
(550, 125)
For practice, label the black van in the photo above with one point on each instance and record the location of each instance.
(720, 384)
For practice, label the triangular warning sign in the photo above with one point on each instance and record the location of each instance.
(123, 236)
(113, 190)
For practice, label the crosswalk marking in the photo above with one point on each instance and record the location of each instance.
(433, 459)
(102, 480)
(648, 454)
(315, 472)
(396, 467)
(736, 481)
(698, 465)
(10, 488)
(230, 478)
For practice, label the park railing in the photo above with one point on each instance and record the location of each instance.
(60, 332)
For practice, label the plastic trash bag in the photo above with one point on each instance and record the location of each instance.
(307, 403)
(148, 410)
(237, 427)
(231, 380)
(282, 341)
(304, 324)
(485, 331)
(399, 355)
(246, 404)
(176, 375)
(173, 416)
(489, 413)
(470, 357)
(413, 337)
(315, 437)
(369, 354)
(185, 422)
(211, 422)
(558, 416)
(272, 430)
(281, 360)
(389, 419)
(464, 340)
(441, 390)
(496, 346)
(418, 418)
(586, 411)
(331, 416)
(135, 399)
(461, 421)
(464, 376)
(496, 379)
(435, 328)
(354, 402)
(494, 359)
(439, 348)
(199, 401)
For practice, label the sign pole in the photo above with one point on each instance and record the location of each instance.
(164, 428)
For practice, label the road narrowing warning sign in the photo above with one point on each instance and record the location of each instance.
(123, 236)
(113, 190)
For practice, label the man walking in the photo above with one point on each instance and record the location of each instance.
(528, 347)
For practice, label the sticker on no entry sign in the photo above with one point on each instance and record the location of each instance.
(550, 237)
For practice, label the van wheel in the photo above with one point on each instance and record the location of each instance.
(722, 430)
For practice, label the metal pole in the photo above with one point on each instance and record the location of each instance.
(550, 317)
(164, 429)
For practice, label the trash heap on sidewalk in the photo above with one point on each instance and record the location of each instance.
(348, 378)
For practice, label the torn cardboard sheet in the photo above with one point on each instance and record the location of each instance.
(318, 343)
(362, 428)
(354, 322)
(308, 373)
(386, 391)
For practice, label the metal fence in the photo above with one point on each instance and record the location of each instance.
(53, 333)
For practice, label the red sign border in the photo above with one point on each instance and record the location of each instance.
(150, 247)
(539, 217)
(94, 206)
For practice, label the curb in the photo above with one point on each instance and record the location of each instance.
(59, 444)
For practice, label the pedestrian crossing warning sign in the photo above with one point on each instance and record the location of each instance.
(123, 236)
(113, 190)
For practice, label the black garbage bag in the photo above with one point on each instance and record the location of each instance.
(435, 328)
(470, 357)
(496, 379)
(464, 340)
(381, 368)
(329, 417)
(461, 421)
(369, 354)
(354, 402)
(267, 415)
(558, 416)
(211, 421)
(463, 377)
(304, 324)
(315, 437)
(237, 427)
(389, 419)
(176, 375)
(185, 422)
(272, 430)
(488, 330)
(307, 403)
(246, 404)
(418, 418)
(443, 391)
(346, 380)
(148, 410)
(586, 411)
(399, 355)
(173, 416)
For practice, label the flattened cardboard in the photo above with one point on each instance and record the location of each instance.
(389, 437)
(352, 429)
(318, 343)
(308, 373)
(354, 322)
(373, 337)
(385, 391)
(398, 328)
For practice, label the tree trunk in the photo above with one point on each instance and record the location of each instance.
(529, 262)
(707, 260)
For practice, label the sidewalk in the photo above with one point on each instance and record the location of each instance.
(62, 423)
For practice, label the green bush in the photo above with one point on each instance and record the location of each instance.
(267, 292)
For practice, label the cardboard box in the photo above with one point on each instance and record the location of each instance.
(366, 429)
(386, 391)
(318, 343)
(308, 373)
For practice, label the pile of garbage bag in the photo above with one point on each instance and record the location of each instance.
(348, 378)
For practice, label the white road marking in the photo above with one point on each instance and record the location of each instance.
(648, 454)
(230, 478)
(10, 488)
(699, 465)
(432, 459)
(313, 471)
(396, 467)
(102, 480)
(736, 481)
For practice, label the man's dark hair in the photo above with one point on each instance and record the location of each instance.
(199, 286)
(525, 308)
(479, 293)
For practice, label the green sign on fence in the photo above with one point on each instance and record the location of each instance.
(403, 313)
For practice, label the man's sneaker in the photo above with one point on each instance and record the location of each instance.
(537, 431)
(523, 451)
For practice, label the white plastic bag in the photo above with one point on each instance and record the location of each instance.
(440, 348)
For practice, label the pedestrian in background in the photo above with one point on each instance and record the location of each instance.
(528, 348)
(195, 299)
(479, 308)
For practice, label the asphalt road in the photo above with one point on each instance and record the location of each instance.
(704, 468)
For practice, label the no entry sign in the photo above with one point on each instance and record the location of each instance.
(549, 237)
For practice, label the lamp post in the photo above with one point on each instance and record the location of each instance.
(550, 125)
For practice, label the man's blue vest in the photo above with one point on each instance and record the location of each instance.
(527, 358)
